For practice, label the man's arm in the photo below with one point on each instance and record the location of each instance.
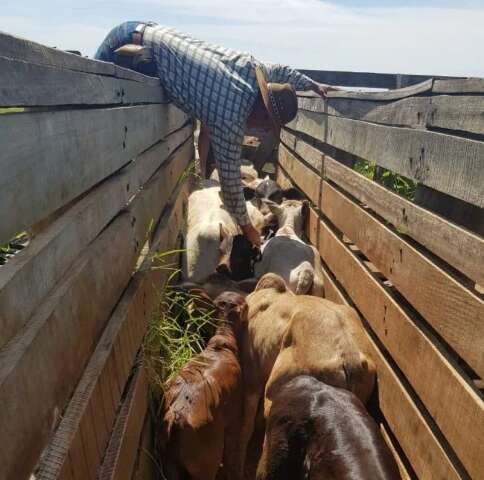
(227, 152)
(277, 73)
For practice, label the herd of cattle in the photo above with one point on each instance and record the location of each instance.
(283, 359)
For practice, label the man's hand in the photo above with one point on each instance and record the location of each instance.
(322, 90)
(251, 234)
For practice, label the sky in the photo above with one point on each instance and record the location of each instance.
(435, 37)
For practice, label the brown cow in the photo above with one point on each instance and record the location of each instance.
(203, 403)
(290, 335)
(319, 432)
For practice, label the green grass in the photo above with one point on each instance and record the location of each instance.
(177, 330)
(397, 183)
(12, 247)
(11, 110)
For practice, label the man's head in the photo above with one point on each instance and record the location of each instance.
(275, 106)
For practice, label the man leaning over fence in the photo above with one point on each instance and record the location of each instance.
(225, 89)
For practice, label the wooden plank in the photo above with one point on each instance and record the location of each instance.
(31, 52)
(34, 271)
(464, 85)
(134, 309)
(121, 452)
(397, 94)
(404, 473)
(452, 310)
(452, 165)
(366, 79)
(405, 419)
(468, 216)
(77, 304)
(409, 112)
(308, 181)
(464, 113)
(50, 158)
(415, 436)
(146, 466)
(47, 86)
(414, 350)
(460, 248)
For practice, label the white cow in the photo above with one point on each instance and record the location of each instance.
(210, 232)
(287, 255)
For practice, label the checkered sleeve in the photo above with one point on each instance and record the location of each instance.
(227, 150)
(277, 73)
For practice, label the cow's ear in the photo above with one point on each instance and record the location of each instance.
(292, 194)
(274, 208)
(249, 193)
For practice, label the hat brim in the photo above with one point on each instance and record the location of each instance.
(264, 90)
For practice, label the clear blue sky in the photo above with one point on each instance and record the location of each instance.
(428, 36)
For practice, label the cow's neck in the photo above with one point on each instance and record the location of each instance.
(289, 228)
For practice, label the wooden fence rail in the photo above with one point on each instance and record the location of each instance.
(397, 262)
(99, 178)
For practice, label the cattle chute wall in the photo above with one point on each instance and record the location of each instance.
(94, 166)
(413, 269)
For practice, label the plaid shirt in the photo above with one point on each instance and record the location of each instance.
(219, 87)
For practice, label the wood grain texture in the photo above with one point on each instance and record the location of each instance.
(128, 322)
(392, 445)
(450, 164)
(457, 246)
(452, 310)
(308, 181)
(67, 326)
(50, 158)
(395, 94)
(464, 113)
(463, 85)
(368, 79)
(407, 422)
(146, 468)
(31, 52)
(30, 275)
(409, 112)
(414, 350)
(120, 456)
(49, 86)
(450, 112)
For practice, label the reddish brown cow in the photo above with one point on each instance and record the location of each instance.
(203, 403)
(320, 432)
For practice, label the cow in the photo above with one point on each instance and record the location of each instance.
(202, 404)
(290, 335)
(321, 432)
(210, 235)
(287, 255)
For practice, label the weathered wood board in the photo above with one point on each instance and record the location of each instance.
(50, 158)
(33, 272)
(35, 53)
(128, 321)
(50, 86)
(447, 163)
(460, 248)
(77, 304)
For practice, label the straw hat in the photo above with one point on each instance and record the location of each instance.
(279, 99)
